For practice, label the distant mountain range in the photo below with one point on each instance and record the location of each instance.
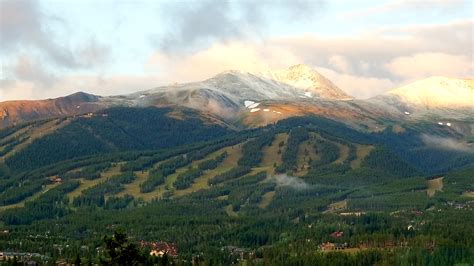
(245, 99)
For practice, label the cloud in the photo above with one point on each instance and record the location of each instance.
(29, 81)
(258, 57)
(223, 35)
(290, 181)
(20, 21)
(359, 65)
(197, 22)
(28, 69)
(166, 69)
(454, 37)
(17, 90)
(200, 23)
(340, 63)
(446, 143)
(423, 65)
(362, 87)
(24, 25)
(35, 64)
(93, 53)
(245, 56)
(368, 53)
(436, 6)
(13, 89)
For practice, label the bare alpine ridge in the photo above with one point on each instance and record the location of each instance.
(12, 112)
(270, 96)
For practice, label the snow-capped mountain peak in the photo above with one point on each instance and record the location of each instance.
(438, 92)
(304, 77)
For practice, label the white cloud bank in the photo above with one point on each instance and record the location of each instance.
(446, 143)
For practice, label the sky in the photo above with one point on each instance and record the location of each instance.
(53, 48)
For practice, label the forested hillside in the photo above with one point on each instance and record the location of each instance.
(114, 130)
(289, 192)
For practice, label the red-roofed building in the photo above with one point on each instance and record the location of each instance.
(337, 234)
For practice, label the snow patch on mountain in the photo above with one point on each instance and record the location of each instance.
(254, 105)
(248, 103)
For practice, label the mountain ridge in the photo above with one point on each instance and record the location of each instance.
(12, 112)
(437, 96)
(276, 94)
(437, 91)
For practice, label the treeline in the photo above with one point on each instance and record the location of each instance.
(248, 181)
(53, 203)
(95, 196)
(64, 167)
(212, 163)
(252, 153)
(328, 126)
(196, 150)
(9, 145)
(252, 156)
(6, 183)
(290, 155)
(90, 172)
(185, 180)
(155, 178)
(67, 169)
(352, 155)
(327, 151)
(233, 173)
(116, 203)
(158, 176)
(20, 190)
(241, 192)
(251, 193)
(8, 131)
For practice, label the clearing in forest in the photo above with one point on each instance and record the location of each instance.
(398, 129)
(134, 187)
(19, 133)
(271, 154)
(361, 152)
(337, 206)
(343, 152)
(35, 132)
(266, 199)
(30, 198)
(199, 183)
(434, 185)
(229, 209)
(469, 194)
(306, 154)
(233, 155)
(85, 184)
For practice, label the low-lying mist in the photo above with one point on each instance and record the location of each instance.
(285, 180)
(446, 143)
